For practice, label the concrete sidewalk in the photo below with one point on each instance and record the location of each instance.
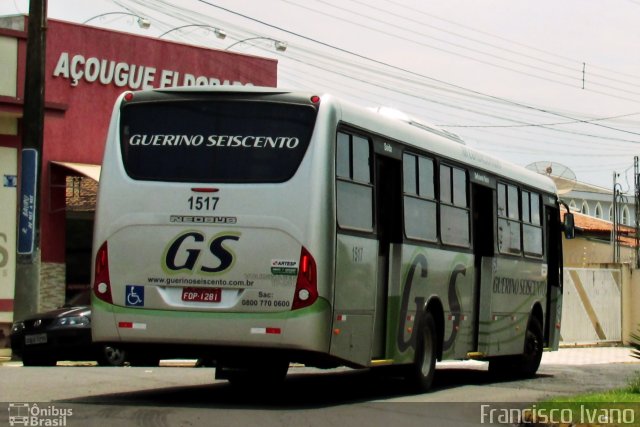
(588, 356)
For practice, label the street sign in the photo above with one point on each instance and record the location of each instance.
(28, 189)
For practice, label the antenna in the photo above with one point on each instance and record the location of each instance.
(562, 176)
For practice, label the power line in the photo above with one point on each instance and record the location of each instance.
(376, 61)
(482, 61)
(497, 37)
(384, 82)
(462, 90)
(543, 124)
(574, 68)
(416, 95)
(456, 45)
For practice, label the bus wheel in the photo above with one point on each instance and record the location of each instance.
(420, 374)
(533, 346)
(524, 365)
(111, 356)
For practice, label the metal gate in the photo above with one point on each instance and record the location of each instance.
(591, 306)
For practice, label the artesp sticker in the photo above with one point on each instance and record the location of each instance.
(284, 267)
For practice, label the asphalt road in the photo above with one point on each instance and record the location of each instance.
(188, 396)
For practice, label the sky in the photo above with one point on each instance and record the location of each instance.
(532, 82)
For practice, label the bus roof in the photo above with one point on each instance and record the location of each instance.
(437, 141)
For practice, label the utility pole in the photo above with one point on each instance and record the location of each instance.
(614, 220)
(636, 180)
(27, 291)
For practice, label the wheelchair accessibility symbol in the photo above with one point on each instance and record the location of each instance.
(134, 296)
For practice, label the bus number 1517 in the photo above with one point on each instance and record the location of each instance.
(203, 203)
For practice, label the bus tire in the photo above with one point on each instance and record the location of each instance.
(533, 347)
(524, 365)
(420, 374)
(111, 356)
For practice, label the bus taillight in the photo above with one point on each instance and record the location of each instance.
(102, 283)
(306, 286)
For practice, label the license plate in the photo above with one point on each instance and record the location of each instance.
(35, 339)
(202, 294)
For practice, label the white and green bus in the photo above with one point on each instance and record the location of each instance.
(257, 227)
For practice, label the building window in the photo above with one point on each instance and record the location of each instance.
(585, 208)
(626, 218)
(572, 206)
(611, 213)
(598, 213)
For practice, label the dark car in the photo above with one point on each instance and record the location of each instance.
(61, 334)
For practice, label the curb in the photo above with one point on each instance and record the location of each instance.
(568, 354)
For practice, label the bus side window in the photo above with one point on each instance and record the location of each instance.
(509, 233)
(353, 182)
(343, 158)
(531, 226)
(420, 208)
(361, 159)
(454, 206)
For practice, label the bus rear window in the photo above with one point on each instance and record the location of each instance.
(214, 141)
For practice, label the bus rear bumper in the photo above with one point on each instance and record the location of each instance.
(307, 329)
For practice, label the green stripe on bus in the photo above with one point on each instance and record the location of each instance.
(321, 305)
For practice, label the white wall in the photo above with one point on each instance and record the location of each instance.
(8, 66)
(8, 202)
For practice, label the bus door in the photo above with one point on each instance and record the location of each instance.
(388, 209)
(483, 204)
(368, 242)
(368, 214)
(554, 275)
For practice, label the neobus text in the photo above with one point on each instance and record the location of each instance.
(203, 219)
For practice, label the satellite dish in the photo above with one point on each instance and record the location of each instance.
(564, 178)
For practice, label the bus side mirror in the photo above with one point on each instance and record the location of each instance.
(569, 226)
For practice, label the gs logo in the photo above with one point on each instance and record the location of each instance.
(189, 252)
(419, 263)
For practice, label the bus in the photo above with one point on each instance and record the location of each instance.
(256, 227)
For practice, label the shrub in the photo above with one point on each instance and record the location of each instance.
(634, 384)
